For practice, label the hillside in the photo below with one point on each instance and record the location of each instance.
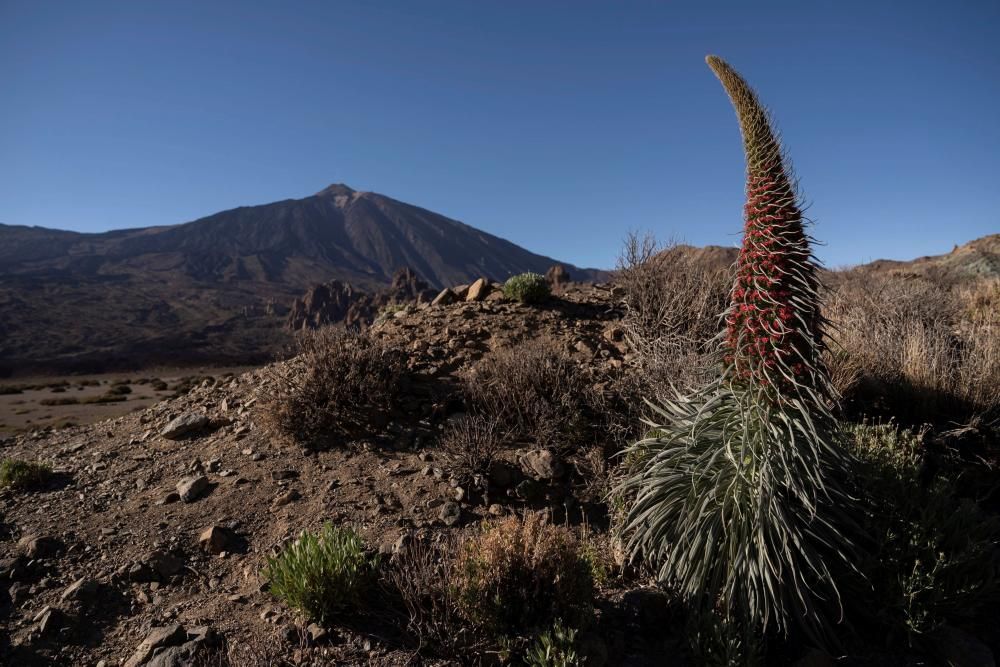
(214, 290)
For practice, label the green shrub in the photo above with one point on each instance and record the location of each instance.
(321, 574)
(554, 648)
(527, 288)
(936, 556)
(10, 389)
(23, 475)
(521, 575)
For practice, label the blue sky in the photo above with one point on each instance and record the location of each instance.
(558, 125)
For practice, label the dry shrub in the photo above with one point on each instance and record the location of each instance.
(474, 443)
(536, 392)
(521, 575)
(981, 301)
(673, 303)
(421, 573)
(905, 346)
(335, 387)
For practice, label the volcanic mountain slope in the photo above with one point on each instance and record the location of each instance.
(206, 290)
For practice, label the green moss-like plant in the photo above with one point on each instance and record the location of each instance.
(735, 497)
(321, 574)
(23, 475)
(527, 288)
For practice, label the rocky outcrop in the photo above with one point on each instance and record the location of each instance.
(338, 302)
(557, 277)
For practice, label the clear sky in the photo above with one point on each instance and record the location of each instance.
(558, 125)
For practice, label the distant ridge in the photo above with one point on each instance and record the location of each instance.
(208, 290)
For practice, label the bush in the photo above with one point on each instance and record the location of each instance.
(23, 475)
(473, 444)
(535, 392)
(10, 389)
(527, 288)
(105, 398)
(69, 400)
(520, 576)
(335, 387)
(320, 574)
(118, 389)
(672, 303)
(935, 556)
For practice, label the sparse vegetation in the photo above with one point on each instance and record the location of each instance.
(474, 443)
(914, 349)
(535, 392)
(344, 380)
(936, 555)
(672, 303)
(423, 574)
(519, 576)
(23, 475)
(527, 288)
(321, 574)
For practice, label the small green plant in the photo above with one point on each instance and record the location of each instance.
(527, 288)
(321, 574)
(554, 648)
(23, 475)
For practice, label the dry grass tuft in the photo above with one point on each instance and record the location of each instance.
(474, 443)
(914, 349)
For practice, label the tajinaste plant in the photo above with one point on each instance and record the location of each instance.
(735, 494)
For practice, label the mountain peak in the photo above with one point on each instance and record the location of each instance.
(335, 190)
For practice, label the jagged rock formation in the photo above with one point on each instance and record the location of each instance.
(338, 302)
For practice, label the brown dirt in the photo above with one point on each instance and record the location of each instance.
(103, 504)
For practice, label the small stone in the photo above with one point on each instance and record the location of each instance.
(191, 488)
(277, 475)
(163, 563)
(444, 298)
(478, 290)
(80, 588)
(316, 632)
(184, 425)
(49, 619)
(450, 514)
(287, 497)
(216, 539)
(158, 637)
(39, 546)
(542, 464)
(171, 497)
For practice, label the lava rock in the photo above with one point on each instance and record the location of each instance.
(191, 488)
(216, 539)
(185, 425)
(542, 465)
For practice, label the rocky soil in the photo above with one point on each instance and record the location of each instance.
(150, 540)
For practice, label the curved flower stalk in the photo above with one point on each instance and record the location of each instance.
(735, 494)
